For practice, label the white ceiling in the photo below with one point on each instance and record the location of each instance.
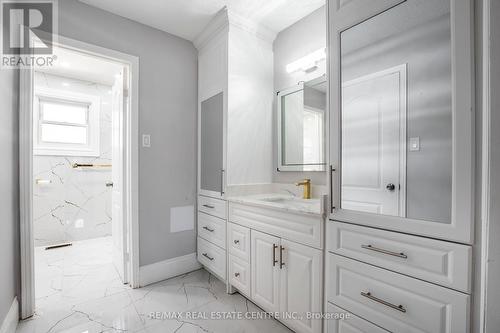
(84, 67)
(187, 18)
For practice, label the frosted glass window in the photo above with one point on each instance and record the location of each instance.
(63, 134)
(67, 123)
(62, 112)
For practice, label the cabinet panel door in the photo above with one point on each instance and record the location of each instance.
(265, 270)
(211, 146)
(300, 285)
(341, 321)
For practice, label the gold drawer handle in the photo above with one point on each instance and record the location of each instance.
(208, 229)
(236, 241)
(390, 253)
(381, 301)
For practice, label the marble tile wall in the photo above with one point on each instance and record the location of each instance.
(76, 204)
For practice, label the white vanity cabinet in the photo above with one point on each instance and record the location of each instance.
(286, 277)
(401, 154)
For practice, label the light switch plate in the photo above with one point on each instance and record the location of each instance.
(146, 140)
(415, 144)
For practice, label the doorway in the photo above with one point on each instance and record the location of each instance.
(78, 134)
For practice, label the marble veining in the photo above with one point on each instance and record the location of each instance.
(289, 203)
(74, 204)
(78, 290)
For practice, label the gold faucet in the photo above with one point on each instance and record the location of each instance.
(307, 188)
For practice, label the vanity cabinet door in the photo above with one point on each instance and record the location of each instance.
(211, 169)
(300, 285)
(265, 270)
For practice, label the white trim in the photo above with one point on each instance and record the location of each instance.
(167, 269)
(225, 18)
(131, 166)
(11, 320)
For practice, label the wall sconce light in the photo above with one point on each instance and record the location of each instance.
(307, 63)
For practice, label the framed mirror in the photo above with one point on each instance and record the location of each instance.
(301, 116)
(402, 144)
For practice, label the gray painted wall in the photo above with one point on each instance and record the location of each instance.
(167, 111)
(296, 41)
(9, 190)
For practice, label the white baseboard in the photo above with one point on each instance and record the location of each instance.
(10, 321)
(166, 269)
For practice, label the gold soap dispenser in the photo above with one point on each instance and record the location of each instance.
(307, 188)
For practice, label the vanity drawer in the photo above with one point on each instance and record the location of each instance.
(212, 229)
(212, 206)
(238, 241)
(348, 323)
(393, 301)
(306, 229)
(239, 274)
(212, 257)
(444, 263)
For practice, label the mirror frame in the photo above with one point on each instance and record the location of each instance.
(345, 14)
(279, 126)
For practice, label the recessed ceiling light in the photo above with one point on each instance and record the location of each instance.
(65, 84)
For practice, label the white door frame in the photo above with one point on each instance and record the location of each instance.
(131, 167)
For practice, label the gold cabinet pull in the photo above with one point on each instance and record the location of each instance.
(381, 301)
(390, 253)
(208, 206)
(236, 274)
(236, 241)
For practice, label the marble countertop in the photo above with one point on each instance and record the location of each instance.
(288, 203)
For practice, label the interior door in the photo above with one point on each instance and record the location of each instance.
(212, 146)
(119, 233)
(300, 285)
(265, 270)
(373, 146)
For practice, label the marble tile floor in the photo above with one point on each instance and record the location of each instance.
(79, 291)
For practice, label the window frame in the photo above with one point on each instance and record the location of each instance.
(91, 148)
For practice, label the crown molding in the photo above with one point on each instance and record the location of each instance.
(252, 27)
(219, 23)
(225, 19)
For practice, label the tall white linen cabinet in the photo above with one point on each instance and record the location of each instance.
(401, 153)
(235, 97)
